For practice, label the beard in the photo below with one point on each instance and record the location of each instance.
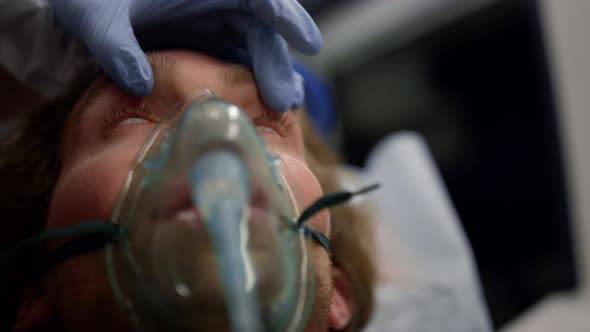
(97, 309)
(318, 320)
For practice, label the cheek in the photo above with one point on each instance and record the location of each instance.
(318, 321)
(87, 189)
(305, 190)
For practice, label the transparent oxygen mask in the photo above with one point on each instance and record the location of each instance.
(209, 239)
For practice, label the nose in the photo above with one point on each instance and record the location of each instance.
(238, 86)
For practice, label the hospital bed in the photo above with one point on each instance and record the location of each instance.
(427, 276)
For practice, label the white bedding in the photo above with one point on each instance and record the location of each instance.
(428, 279)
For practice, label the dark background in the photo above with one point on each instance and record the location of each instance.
(479, 91)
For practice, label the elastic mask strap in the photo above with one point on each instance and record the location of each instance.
(326, 201)
(321, 238)
(100, 233)
(96, 235)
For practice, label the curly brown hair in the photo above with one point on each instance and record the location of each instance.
(30, 165)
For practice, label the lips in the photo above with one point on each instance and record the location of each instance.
(190, 215)
(177, 206)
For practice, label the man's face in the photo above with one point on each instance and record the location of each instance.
(101, 139)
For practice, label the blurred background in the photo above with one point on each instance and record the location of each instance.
(499, 89)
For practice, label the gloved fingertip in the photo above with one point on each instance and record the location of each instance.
(318, 43)
(277, 101)
(142, 87)
(313, 45)
(272, 66)
(137, 76)
(299, 91)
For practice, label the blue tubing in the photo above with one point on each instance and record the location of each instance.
(220, 188)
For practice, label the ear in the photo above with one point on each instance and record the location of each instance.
(341, 304)
(34, 311)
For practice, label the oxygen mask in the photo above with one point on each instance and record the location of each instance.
(209, 229)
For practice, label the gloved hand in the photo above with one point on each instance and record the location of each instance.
(258, 29)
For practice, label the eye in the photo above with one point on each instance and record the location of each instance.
(132, 120)
(124, 115)
(270, 122)
(266, 129)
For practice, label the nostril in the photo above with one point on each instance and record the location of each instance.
(190, 215)
(259, 199)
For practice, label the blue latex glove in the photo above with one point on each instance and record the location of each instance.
(259, 30)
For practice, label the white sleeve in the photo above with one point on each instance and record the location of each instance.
(35, 50)
(429, 282)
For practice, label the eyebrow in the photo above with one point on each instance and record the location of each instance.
(237, 75)
(163, 67)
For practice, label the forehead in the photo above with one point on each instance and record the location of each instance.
(185, 71)
(176, 67)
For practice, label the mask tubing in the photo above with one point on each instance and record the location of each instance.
(220, 188)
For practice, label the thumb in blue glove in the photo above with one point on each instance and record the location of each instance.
(265, 30)
(273, 69)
